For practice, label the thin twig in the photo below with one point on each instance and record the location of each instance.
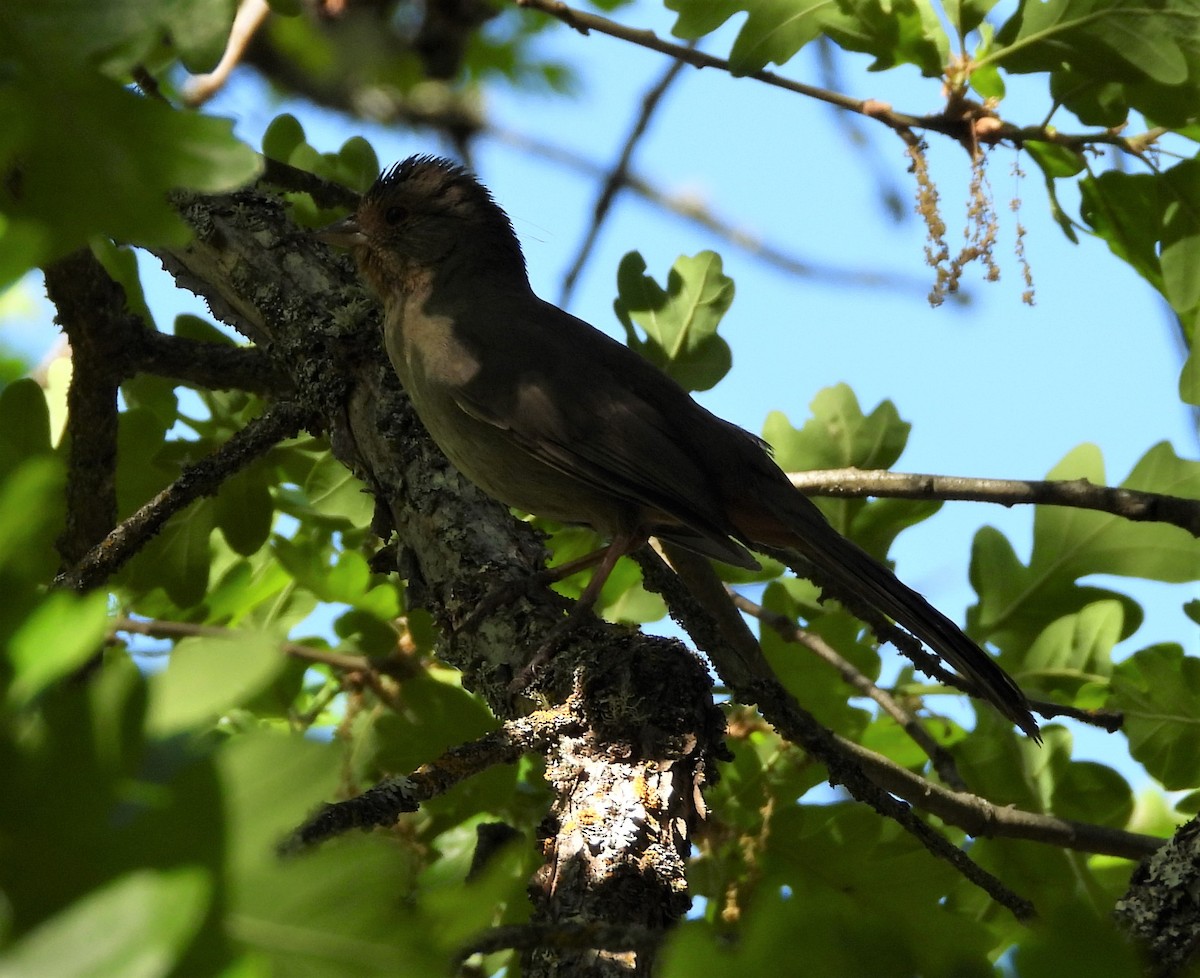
(691, 208)
(959, 124)
(980, 818)
(175, 630)
(251, 15)
(942, 761)
(617, 178)
(1130, 504)
(203, 478)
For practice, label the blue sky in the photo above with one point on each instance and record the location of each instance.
(994, 388)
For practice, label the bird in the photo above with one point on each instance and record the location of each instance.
(549, 415)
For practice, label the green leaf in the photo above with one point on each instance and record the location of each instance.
(122, 33)
(178, 559)
(839, 436)
(1074, 939)
(1189, 377)
(1054, 159)
(135, 926)
(819, 686)
(139, 150)
(1070, 543)
(1077, 648)
(1151, 49)
(358, 165)
(286, 8)
(1158, 691)
(24, 424)
(774, 31)
(30, 517)
(967, 15)
(437, 715)
(284, 133)
(1121, 209)
(62, 633)
(1093, 793)
(1180, 253)
(243, 509)
(206, 677)
(1192, 610)
(894, 32)
(334, 492)
(680, 322)
(350, 908)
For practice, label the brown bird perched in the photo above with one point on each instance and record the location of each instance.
(549, 415)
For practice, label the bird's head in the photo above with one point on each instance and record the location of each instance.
(427, 214)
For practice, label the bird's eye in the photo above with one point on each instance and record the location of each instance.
(394, 215)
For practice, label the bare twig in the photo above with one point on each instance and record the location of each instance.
(960, 120)
(978, 817)
(690, 208)
(251, 15)
(1130, 504)
(943, 763)
(174, 630)
(203, 478)
(616, 179)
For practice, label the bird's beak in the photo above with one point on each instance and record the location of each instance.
(345, 232)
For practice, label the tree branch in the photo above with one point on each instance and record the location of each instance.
(380, 806)
(1130, 504)
(617, 178)
(960, 120)
(202, 478)
(91, 311)
(210, 366)
(942, 760)
(175, 630)
(741, 665)
(978, 817)
(652, 730)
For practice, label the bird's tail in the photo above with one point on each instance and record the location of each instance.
(848, 569)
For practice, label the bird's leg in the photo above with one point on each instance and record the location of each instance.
(504, 594)
(621, 544)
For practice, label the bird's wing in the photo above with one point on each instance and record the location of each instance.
(595, 410)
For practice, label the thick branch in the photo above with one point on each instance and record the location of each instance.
(1130, 504)
(91, 311)
(652, 731)
(211, 366)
